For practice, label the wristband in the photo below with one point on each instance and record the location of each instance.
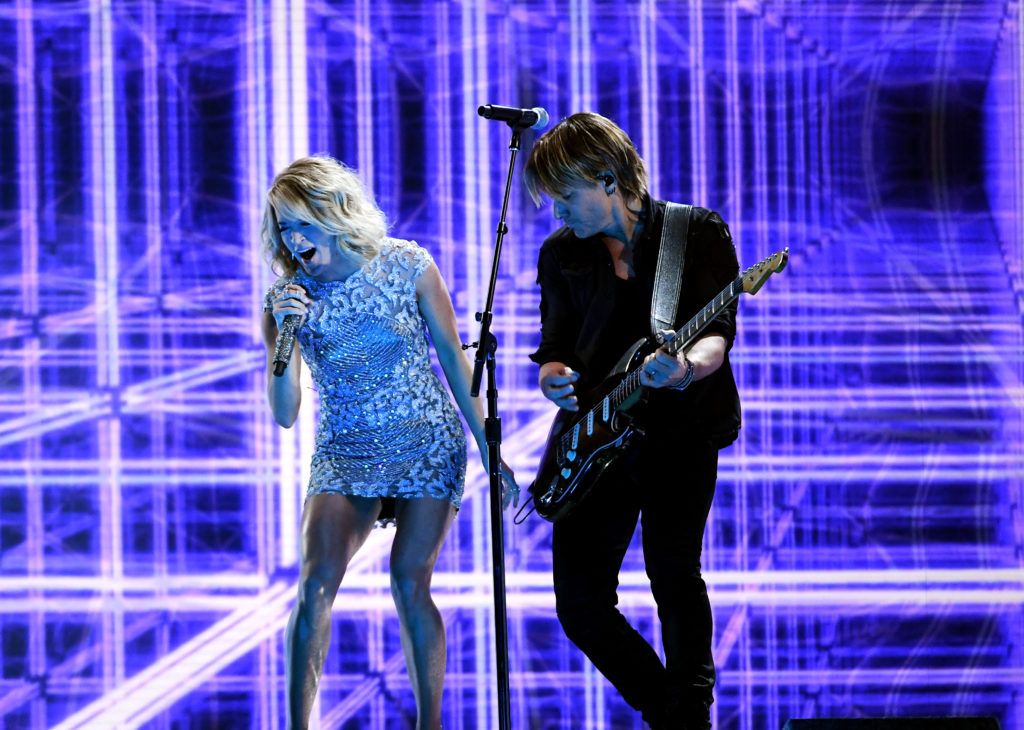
(687, 379)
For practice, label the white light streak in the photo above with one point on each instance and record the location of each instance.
(147, 693)
(131, 584)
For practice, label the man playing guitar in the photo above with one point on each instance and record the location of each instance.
(597, 277)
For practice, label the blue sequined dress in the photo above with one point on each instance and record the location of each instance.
(387, 426)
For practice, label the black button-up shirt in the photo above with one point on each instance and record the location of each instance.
(590, 317)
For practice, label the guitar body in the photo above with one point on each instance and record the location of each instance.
(583, 444)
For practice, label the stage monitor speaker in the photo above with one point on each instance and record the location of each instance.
(896, 723)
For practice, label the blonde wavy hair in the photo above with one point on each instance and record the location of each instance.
(579, 148)
(325, 192)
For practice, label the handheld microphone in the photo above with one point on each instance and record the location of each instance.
(535, 118)
(285, 343)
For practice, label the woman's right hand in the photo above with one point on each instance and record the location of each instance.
(292, 300)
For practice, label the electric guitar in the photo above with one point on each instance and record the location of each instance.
(582, 444)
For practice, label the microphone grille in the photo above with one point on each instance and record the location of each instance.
(542, 118)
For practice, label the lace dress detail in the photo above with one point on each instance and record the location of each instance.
(387, 426)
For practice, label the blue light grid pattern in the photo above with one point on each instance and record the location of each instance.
(864, 553)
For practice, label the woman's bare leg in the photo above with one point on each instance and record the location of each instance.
(334, 526)
(422, 526)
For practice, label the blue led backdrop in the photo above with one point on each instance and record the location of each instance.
(865, 553)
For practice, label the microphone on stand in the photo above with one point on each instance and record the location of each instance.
(285, 343)
(536, 118)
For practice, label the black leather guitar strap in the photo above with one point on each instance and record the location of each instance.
(668, 277)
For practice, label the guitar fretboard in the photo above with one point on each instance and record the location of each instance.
(688, 332)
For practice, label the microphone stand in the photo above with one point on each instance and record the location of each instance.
(486, 347)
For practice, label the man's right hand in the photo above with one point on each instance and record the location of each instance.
(556, 383)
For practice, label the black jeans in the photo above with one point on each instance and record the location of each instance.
(669, 488)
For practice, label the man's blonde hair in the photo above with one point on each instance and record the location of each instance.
(325, 192)
(579, 148)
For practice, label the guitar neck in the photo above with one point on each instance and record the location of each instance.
(686, 334)
(625, 394)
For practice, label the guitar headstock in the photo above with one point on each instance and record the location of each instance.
(755, 277)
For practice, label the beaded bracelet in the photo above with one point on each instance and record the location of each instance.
(687, 379)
